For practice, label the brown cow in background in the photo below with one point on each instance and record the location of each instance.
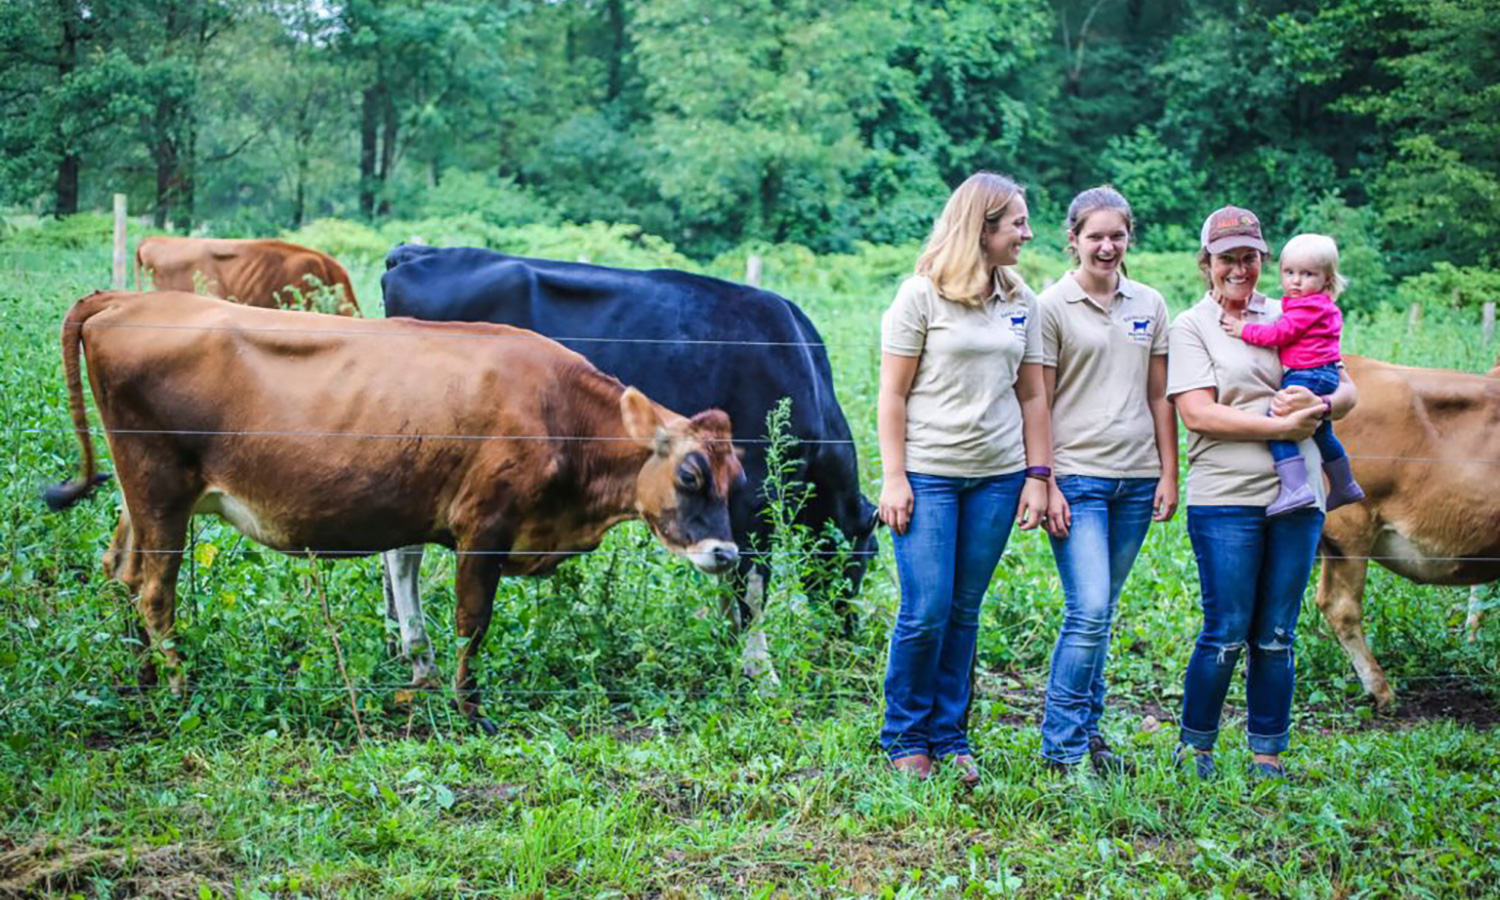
(252, 272)
(1425, 445)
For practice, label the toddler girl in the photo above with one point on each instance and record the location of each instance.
(1307, 336)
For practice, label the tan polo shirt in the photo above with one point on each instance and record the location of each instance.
(962, 416)
(1101, 422)
(1231, 473)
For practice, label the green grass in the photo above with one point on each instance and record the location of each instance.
(633, 761)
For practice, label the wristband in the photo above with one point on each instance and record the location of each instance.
(1327, 406)
(1042, 472)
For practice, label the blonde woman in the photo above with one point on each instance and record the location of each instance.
(965, 451)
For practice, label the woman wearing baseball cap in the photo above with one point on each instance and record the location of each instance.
(1252, 570)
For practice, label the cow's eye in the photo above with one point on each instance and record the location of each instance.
(689, 478)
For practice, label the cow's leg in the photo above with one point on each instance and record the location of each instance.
(160, 540)
(1476, 611)
(755, 660)
(122, 563)
(1341, 589)
(478, 576)
(402, 569)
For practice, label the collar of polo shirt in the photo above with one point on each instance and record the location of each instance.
(1074, 291)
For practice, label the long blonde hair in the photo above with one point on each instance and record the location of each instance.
(953, 256)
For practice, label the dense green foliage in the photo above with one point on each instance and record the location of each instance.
(717, 123)
(634, 760)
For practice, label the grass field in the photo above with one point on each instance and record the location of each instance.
(633, 761)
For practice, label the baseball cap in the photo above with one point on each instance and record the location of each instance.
(1229, 227)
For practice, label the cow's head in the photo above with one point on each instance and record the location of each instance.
(683, 489)
(866, 545)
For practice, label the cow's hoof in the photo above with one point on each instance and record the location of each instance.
(425, 678)
(1385, 705)
(767, 682)
(486, 726)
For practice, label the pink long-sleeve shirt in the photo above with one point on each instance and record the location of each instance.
(1307, 334)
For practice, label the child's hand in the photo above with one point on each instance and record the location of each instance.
(1233, 326)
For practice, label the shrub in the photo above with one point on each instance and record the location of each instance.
(85, 231)
(495, 201)
(1447, 284)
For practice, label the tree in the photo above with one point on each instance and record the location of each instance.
(66, 93)
(428, 71)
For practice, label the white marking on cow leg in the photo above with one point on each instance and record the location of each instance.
(1476, 611)
(403, 568)
(1369, 671)
(755, 661)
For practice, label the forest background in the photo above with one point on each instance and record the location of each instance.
(718, 124)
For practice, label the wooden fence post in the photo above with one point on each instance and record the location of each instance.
(119, 274)
(1487, 321)
(1414, 319)
(752, 270)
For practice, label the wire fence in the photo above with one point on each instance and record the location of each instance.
(82, 692)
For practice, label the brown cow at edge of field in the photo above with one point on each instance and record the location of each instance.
(249, 271)
(1425, 445)
(330, 437)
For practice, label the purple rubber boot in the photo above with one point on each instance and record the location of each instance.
(1342, 488)
(1296, 493)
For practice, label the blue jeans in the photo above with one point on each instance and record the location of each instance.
(1322, 380)
(1110, 519)
(958, 529)
(1253, 572)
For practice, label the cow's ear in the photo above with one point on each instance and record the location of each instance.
(642, 422)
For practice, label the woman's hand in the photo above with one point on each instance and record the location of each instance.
(1059, 514)
(1290, 399)
(1033, 508)
(1300, 425)
(896, 502)
(1164, 505)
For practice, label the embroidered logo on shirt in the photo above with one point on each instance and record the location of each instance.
(1139, 329)
(1018, 325)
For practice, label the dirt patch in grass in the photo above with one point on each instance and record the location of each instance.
(859, 864)
(45, 866)
(1462, 701)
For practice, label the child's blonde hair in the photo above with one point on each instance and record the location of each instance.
(953, 257)
(1321, 250)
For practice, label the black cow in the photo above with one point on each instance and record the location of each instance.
(687, 341)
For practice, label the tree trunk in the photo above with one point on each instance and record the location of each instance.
(68, 161)
(299, 200)
(616, 11)
(163, 159)
(389, 129)
(187, 176)
(67, 184)
(369, 136)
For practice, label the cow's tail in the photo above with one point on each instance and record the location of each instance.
(68, 493)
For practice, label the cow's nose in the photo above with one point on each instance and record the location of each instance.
(725, 555)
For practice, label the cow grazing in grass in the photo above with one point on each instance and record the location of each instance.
(1425, 445)
(331, 437)
(265, 273)
(687, 340)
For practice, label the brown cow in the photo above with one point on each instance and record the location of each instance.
(1425, 444)
(252, 272)
(328, 437)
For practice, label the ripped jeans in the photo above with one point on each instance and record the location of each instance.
(1253, 572)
